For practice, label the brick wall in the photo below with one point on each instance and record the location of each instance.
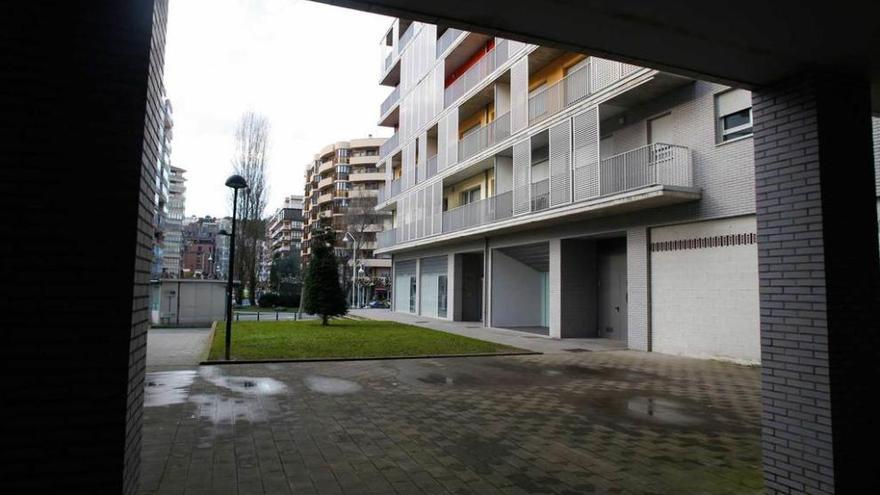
(817, 256)
(78, 184)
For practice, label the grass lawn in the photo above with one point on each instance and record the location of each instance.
(342, 339)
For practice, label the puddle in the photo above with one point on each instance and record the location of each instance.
(165, 388)
(241, 384)
(659, 410)
(331, 386)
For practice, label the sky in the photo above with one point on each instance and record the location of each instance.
(310, 68)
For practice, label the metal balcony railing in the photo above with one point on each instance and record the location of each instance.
(476, 73)
(386, 238)
(389, 145)
(595, 75)
(540, 195)
(654, 164)
(447, 39)
(484, 137)
(390, 101)
(406, 37)
(478, 213)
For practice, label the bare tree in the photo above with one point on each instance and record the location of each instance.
(362, 221)
(249, 161)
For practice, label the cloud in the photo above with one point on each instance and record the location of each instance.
(312, 69)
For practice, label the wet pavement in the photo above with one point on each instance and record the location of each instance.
(176, 348)
(562, 423)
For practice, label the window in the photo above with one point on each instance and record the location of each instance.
(470, 196)
(733, 111)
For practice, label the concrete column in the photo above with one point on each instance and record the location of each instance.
(451, 305)
(555, 309)
(819, 279)
(638, 289)
(418, 286)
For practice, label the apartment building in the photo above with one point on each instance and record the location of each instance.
(199, 239)
(285, 228)
(160, 198)
(567, 195)
(341, 192)
(174, 225)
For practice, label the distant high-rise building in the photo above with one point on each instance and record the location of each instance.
(221, 249)
(342, 185)
(174, 224)
(163, 174)
(284, 228)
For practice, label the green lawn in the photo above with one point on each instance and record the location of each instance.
(342, 339)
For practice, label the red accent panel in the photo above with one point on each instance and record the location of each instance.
(461, 69)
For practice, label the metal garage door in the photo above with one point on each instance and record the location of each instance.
(704, 290)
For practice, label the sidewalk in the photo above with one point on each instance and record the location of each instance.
(476, 330)
(176, 348)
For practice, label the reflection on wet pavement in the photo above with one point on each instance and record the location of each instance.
(557, 423)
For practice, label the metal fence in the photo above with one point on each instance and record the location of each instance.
(658, 163)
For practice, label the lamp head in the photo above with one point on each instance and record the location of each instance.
(236, 182)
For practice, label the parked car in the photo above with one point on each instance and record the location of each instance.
(378, 304)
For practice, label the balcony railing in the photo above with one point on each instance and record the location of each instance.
(447, 39)
(386, 238)
(595, 75)
(484, 137)
(654, 164)
(389, 145)
(541, 195)
(406, 37)
(478, 213)
(476, 73)
(390, 101)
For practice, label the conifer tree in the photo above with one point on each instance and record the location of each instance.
(322, 293)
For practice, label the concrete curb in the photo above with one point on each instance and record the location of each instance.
(377, 358)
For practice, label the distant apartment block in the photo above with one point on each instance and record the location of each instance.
(199, 246)
(163, 174)
(285, 228)
(567, 195)
(174, 224)
(342, 188)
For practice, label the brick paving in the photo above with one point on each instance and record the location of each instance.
(563, 423)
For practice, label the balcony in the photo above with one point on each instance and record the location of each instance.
(596, 75)
(363, 159)
(484, 137)
(447, 39)
(389, 145)
(431, 167)
(476, 73)
(326, 166)
(646, 177)
(325, 182)
(367, 177)
(390, 102)
(386, 238)
(364, 193)
(325, 198)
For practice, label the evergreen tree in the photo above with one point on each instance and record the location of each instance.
(322, 293)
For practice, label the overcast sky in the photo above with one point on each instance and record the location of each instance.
(312, 69)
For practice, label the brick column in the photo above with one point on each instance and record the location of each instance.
(818, 265)
(81, 107)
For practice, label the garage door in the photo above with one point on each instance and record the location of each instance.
(704, 290)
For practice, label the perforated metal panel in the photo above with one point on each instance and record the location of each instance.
(604, 72)
(438, 207)
(519, 95)
(442, 161)
(420, 226)
(452, 137)
(585, 128)
(560, 163)
(522, 168)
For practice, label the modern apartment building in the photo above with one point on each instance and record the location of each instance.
(174, 224)
(285, 228)
(160, 199)
(342, 187)
(567, 195)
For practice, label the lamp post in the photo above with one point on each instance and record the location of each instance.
(350, 238)
(361, 294)
(235, 182)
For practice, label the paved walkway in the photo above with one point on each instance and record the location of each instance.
(523, 340)
(558, 423)
(176, 348)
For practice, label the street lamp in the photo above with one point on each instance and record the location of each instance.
(235, 182)
(350, 238)
(361, 293)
